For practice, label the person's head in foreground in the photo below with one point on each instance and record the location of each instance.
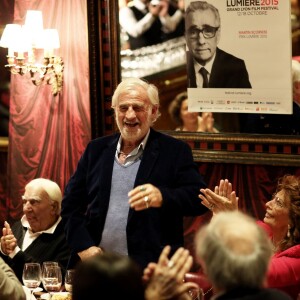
(108, 276)
(234, 252)
(41, 203)
(136, 106)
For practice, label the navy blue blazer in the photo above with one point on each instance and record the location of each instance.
(167, 163)
(227, 71)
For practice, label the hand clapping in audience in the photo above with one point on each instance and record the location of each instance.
(166, 277)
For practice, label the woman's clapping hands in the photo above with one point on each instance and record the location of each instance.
(222, 199)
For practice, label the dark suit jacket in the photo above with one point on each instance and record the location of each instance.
(227, 71)
(46, 247)
(167, 163)
(254, 294)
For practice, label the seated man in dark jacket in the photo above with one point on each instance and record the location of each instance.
(39, 235)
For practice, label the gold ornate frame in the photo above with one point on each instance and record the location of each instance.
(3, 144)
(222, 148)
(243, 149)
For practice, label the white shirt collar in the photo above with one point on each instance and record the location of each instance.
(208, 65)
(50, 230)
(135, 151)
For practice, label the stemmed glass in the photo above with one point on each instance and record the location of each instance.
(52, 278)
(69, 279)
(32, 276)
(49, 263)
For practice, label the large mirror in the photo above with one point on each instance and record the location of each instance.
(105, 70)
(164, 64)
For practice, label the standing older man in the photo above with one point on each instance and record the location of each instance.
(39, 235)
(131, 189)
(209, 66)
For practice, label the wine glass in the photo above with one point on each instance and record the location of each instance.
(52, 278)
(49, 263)
(32, 276)
(69, 279)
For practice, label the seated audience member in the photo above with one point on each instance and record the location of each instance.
(235, 253)
(281, 222)
(190, 121)
(114, 276)
(146, 22)
(39, 235)
(10, 287)
(108, 275)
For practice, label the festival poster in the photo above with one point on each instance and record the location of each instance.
(258, 32)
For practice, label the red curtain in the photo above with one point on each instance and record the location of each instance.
(47, 134)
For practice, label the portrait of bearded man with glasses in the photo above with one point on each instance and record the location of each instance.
(209, 66)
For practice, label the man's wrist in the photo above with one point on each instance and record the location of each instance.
(14, 253)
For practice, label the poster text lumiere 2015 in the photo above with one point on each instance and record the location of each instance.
(252, 7)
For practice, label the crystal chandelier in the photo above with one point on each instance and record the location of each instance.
(23, 41)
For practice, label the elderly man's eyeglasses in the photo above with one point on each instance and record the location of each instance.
(207, 31)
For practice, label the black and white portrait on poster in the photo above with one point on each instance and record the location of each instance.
(239, 56)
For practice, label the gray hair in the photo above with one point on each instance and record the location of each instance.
(203, 5)
(133, 83)
(50, 187)
(235, 251)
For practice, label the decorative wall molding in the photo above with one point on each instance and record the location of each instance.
(242, 148)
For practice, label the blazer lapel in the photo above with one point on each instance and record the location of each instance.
(148, 162)
(149, 158)
(191, 71)
(218, 73)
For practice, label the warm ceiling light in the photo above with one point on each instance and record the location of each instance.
(23, 40)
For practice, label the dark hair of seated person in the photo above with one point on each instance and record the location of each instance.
(108, 276)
